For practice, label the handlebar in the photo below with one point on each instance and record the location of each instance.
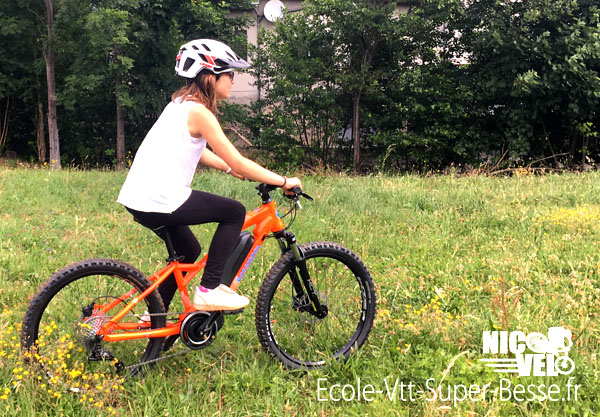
(265, 189)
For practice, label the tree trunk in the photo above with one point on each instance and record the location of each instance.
(120, 130)
(4, 128)
(356, 130)
(41, 136)
(49, 58)
(584, 152)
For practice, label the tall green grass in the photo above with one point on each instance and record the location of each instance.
(451, 257)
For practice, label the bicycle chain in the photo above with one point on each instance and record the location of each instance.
(160, 358)
(151, 361)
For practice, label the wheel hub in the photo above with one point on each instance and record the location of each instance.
(302, 304)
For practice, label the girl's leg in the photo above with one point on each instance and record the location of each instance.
(203, 208)
(186, 245)
(200, 208)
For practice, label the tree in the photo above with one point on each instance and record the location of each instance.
(358, 29)
(300, 115)
(421, 117)
(21, 70)
(113, 70)
(49, 58)
(317, 64)
(108, 27)
(534, 70)
(122, 52)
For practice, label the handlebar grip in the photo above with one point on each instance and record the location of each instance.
(265, 189)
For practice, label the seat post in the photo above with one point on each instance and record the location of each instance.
(163, 232)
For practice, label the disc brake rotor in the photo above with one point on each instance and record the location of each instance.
(304, 307)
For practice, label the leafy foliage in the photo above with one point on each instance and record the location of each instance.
(105, 49)
(450, 82)
(369, 85)
(311, 66)
(535, 67)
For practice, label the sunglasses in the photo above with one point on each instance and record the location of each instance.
(231, 74)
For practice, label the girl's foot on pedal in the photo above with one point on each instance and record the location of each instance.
(221, 298)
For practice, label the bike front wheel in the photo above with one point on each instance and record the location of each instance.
(60, 327)
(288, 327)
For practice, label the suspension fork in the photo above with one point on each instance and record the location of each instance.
(287, 241)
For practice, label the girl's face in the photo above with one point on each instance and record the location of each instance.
(223, 86)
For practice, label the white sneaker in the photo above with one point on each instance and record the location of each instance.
(145, 317)
(221, 298)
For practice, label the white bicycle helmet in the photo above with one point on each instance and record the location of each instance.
(207, 54)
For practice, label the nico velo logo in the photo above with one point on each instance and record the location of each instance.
(549, 354)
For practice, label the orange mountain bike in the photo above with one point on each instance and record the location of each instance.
(315, 305)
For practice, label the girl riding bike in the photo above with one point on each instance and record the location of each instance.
(157, 189)
(316, 304)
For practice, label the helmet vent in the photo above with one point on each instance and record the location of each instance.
(221, 63)
(195, 47)
(206, 47)
(188, 64)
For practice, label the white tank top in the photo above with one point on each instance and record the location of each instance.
(164, 165)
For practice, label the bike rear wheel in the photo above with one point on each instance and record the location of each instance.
(296, 336)
(60, 326)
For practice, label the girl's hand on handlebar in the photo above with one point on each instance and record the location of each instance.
(291, 183)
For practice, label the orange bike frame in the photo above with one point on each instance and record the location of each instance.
(265, 220)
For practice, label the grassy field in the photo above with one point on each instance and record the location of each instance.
(451, 257)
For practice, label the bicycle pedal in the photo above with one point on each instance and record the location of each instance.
(232, 312)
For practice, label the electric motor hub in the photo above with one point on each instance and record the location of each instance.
(198, 329)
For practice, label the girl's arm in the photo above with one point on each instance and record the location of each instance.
(211, 160)
(203, 123)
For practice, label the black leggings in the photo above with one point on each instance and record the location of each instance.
(199, 208)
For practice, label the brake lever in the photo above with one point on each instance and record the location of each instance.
(298, 192)
(296, 196)
(309, 198)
